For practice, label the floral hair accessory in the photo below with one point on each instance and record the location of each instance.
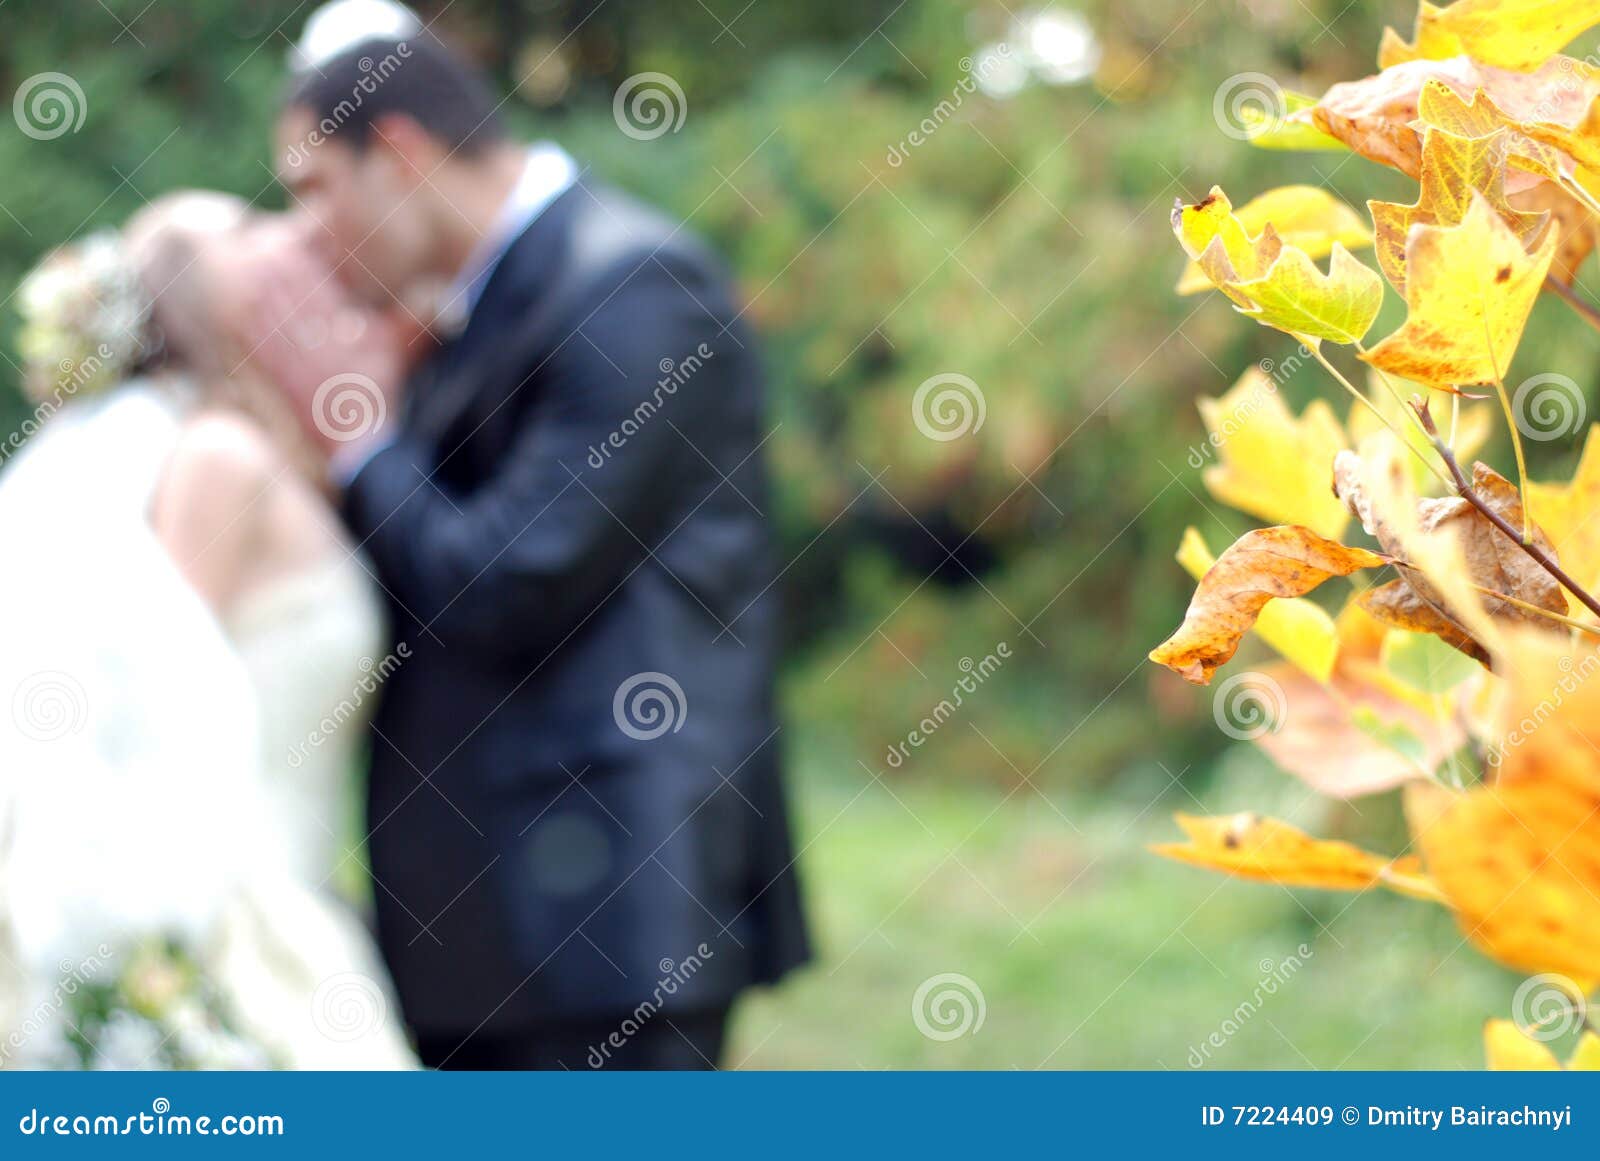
(85, 319)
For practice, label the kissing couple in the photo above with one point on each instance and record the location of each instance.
(308, 517)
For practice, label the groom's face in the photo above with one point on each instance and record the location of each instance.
(369, 223)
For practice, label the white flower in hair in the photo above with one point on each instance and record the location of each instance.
(85, 319)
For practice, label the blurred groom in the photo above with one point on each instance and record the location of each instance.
(578, 834)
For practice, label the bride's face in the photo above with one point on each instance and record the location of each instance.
(290, 318)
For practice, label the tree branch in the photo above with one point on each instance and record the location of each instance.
(1467, 492)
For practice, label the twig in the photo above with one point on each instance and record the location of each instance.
(1467, 492)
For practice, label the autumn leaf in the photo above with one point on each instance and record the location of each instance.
(1469, 291)
(1275, 283)
(1294, 626)
(1485, 556)
(1286, 561)
(1353, 735)
(1510, 34)
(1586, 1056)
(1452, 169)
(1270, 463)
(1507, 1048)
(1220, 245)
(1300, 300)
(1306, 217)
(1530, 161)
(1570, 514)
(1518, 855)
(1378, 116)
(1517, 858)
(1272, 851)
(1544, 167)
(1402, 605)
(1289, 128)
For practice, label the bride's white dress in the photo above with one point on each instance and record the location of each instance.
(164, 775)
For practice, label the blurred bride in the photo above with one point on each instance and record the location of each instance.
(190, 654)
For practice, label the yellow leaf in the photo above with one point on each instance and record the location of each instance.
(1270, 463)
(1586, 1056)
(1271, 851)
(1453, 168)
(1469, 291)
(1544, 167)
(1478, 115)
(1220, 245)
(1298, 299)
(1508, 1048)
(1509, 34)
(1289, 128)
(1297, 628)
(1286, 561)
(1380, 116)
(1306, 217)
(1570, 513)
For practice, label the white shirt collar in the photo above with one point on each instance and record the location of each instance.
(548, 173)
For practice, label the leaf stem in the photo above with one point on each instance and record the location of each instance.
(1316, 351)
(1467, 492)
(1522, 464)
(1570, 622)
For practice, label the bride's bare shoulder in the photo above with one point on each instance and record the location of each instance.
(213, 506)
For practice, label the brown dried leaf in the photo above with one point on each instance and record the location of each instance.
(1284, 561)
(1492, 559)
(1375, 115)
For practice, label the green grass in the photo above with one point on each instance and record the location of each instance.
(1089, 951)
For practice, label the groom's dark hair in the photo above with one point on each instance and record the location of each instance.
(417, 77)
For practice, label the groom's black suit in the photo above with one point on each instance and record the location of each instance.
(577, 497)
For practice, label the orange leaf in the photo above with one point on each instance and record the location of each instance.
(1285, 561)
(1271, 851)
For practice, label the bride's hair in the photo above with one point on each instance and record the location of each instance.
(113, 305)
(171, 246)
(143, 301)
(165, 243)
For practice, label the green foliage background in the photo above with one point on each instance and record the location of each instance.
(1025, 245)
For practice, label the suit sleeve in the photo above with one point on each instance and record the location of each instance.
(585, 494)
